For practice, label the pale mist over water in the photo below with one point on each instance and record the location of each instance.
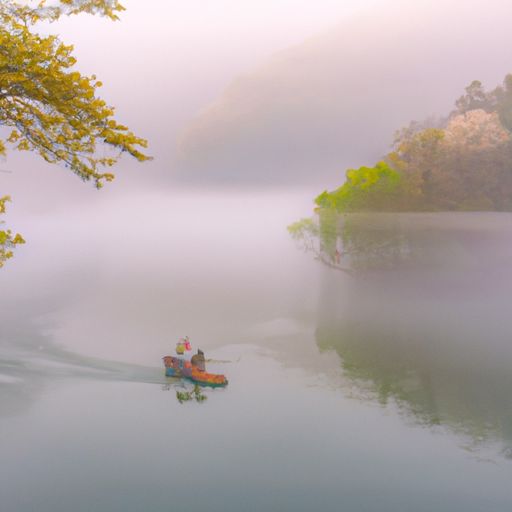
(370, 372)
(367, 391)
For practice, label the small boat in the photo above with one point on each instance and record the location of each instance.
(178, 367)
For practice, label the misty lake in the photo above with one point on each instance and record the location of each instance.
(389, 390)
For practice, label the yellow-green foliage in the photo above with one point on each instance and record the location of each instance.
(51, 107)
(462, 162)
(7, 240)
(48, 106)
(196, 394)
(366, 188)
(303, 227)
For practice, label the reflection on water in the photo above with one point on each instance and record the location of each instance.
(422, 319)
(30, 361)
(79, 307)
(85, 407)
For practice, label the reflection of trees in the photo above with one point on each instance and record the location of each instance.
(320, 238)
(372, 242)
(428, 381)
(369, 242)
(377, 243)
(422, 320)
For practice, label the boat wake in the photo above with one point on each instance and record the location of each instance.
(30, 361)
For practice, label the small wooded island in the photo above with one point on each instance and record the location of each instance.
(462, 162)
(459, 163)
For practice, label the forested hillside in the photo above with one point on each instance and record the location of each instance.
(460, 162)
(334, 101)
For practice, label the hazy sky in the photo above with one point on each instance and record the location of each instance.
(164, 62)
(172, 57)
(167, 60)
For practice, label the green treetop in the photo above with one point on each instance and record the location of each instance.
(366, 188)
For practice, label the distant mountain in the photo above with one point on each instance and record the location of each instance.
(336, 100)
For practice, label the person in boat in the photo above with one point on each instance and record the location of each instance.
(198, 360)
(183, 345)
(180, 348)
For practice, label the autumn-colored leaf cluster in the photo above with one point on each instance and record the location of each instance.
(8, 240)
(462, 162)
(50, 107)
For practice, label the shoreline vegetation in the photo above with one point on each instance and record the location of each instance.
(459, 163)
(462, 162)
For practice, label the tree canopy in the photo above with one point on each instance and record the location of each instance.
(461, 162)
(365, 188)
(49, 107)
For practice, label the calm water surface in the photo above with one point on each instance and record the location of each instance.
(388, 391)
